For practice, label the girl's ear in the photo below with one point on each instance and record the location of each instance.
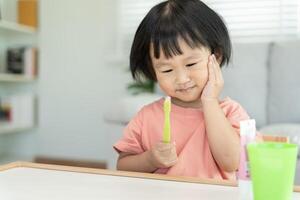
(219, 55)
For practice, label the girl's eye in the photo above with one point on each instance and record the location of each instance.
(189, 65)
(167, 71)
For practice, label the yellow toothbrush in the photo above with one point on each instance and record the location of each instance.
(167, 126)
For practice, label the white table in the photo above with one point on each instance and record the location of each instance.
(30, 181)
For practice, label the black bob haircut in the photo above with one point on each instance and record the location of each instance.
(165, 23)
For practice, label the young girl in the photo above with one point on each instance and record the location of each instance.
(181, 44)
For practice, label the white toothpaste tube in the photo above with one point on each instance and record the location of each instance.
(247, 135)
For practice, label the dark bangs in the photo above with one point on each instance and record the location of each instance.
(172, 26)
(169, 21)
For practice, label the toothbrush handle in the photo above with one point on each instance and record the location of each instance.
(167, 129)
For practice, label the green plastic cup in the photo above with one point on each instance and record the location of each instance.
(272, 170)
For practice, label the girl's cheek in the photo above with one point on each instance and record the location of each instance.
(200, 71)
(166, 85)
(166, 90)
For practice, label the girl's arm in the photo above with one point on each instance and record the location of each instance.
(222, 137)
(162, 155)
(138, 163)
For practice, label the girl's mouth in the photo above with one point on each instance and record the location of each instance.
(186, 89)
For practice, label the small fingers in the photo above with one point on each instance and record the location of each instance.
(161, 146)
(217, 70)
(211, 72)
(173, 162)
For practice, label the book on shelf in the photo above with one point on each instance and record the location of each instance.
(17, 111)
(5, 111)
(22, 61)
(28, 12)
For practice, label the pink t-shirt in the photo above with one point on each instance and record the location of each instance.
(187, 130)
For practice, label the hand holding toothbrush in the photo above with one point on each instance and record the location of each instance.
(163, 155)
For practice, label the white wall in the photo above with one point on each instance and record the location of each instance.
(2, 53)
(76, 82)
(1, 148)
(8, 10)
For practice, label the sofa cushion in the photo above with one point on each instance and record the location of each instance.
(297, 175)
(284, 91)
(246, 79)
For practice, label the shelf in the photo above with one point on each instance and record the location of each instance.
(5, 77)
(10, 129)
(9, 158)
(15, 27)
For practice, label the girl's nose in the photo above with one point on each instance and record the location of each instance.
(182, 77)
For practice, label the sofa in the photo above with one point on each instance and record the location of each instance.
(262, 77)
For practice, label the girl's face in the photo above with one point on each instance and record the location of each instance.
(183, 77)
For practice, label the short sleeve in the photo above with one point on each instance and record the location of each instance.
(234, 113)
(131, 141)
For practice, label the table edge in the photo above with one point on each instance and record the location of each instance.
(20, 164)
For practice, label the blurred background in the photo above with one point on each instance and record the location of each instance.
(66, 92)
